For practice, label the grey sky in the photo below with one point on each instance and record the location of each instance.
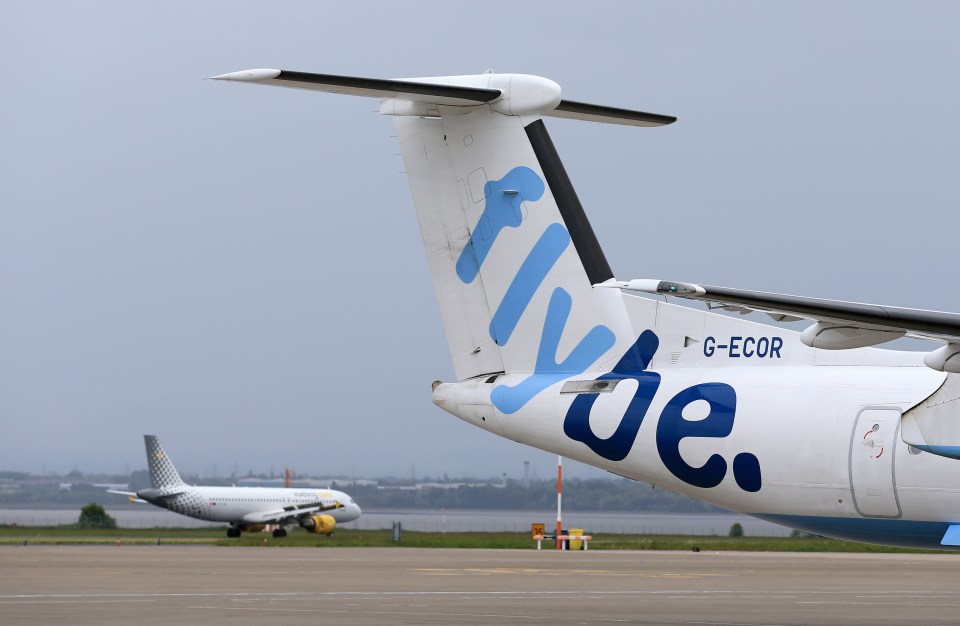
(239, 270)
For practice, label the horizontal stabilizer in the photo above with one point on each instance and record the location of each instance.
(502, 89)
(132, 496)
(152, 493)
(412, 90)
(609, 115)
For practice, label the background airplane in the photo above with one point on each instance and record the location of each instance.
(816, 430)
(246, 509)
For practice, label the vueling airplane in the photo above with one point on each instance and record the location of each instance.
(815, 430)
(246, 509)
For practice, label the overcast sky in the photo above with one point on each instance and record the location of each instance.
(239, 269)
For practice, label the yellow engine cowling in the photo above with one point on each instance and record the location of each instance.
(319, 524)
(252, 528)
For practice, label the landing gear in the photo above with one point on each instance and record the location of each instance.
(233, 532)
(280, 532)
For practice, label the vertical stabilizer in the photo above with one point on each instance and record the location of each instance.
(162, 472)
(513, 257)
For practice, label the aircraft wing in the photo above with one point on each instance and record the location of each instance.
(289, 513)
(132, 495)
(839, 325)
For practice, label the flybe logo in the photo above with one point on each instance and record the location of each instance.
(503, 209)
(672, 428)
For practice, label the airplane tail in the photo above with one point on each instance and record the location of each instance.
(162, 472)
(512, 254)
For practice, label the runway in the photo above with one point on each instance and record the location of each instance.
(217, 585)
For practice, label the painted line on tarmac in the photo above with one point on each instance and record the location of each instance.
(271, 609)
(439, 614)
(486, 571)
(900, 604)
(308, 594)
(686, 593)
(122, 601)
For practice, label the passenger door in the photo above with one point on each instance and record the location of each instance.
(872, 448)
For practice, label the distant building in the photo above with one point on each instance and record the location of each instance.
(306, 483)
(117, 486)
(419, 486)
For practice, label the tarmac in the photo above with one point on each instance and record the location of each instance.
(276, 585)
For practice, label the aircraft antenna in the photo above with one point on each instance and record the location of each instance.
(559, 500)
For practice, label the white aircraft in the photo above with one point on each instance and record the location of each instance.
(814, 430)
(246, 509)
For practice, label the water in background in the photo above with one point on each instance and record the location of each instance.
(446, 521)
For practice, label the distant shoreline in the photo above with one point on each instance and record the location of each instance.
(439, 520)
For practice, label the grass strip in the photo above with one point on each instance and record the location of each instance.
(71, 534)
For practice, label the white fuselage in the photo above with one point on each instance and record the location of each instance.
(233, 504)
(805, 437)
